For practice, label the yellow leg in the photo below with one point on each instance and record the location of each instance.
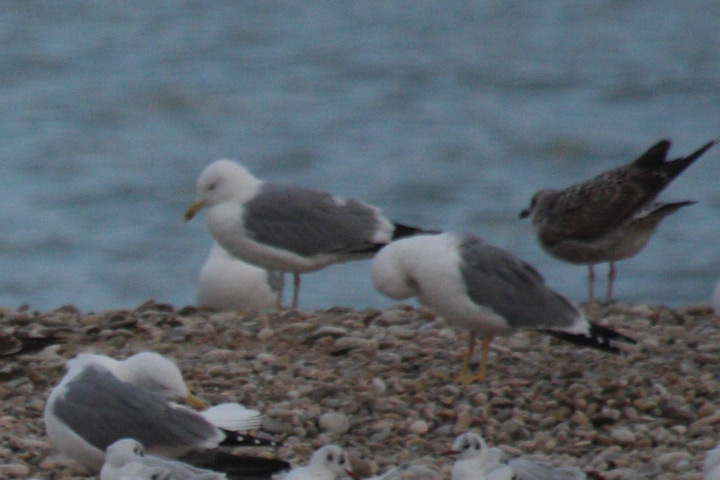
(465, 377)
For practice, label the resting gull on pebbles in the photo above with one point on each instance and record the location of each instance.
(327, 463)
(475, 461)
(483, 288)
(610, 217)
(16, 343)
(288, 228)
(101, 400)
(227, 283)
(128, 456)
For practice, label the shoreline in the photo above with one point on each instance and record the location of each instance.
(380, 383)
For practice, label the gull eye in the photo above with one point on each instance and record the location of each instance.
(342, 460)
(330, 457)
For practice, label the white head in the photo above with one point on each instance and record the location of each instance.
(156, 373)
(468, 446)
(222, 181)
(331, 458)
(390, 275)
(123, 451)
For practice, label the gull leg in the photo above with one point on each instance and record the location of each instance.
(296, 292)
(611, 279)
(281, 287)
(591, 282)
(465, 377)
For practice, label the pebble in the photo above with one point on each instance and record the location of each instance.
(335, 423)
(388, 377)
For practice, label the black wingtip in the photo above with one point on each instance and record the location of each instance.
(402, 231)
(243, 467)
(654, 155)
(599, 337)
(236, 439)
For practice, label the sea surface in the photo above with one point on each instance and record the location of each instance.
(447, 115)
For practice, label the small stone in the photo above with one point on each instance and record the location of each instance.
(14, 470)
(623, 436)
(419, 427)
(265, 334)
(335, 423)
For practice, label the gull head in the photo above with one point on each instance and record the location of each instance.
(123, 451)
(156, 373)
(222, 181)
(538, 202)
(467, 446)
(390, 275)
(333, 459)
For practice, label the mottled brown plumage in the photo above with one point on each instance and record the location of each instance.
(611, 216)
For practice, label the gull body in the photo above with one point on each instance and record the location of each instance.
(482, 288)
(475, 461)
(287, 228)
(101, 400)
(228, 283)
(610, 217)
(127, 455)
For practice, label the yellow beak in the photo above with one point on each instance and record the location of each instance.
(193, 209)
(194, 402)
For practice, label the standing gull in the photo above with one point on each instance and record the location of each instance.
(475, 461)
(227, 283)
(92, 407)
(610, 217)
(483, 288)
(327, 463)
(288, 228)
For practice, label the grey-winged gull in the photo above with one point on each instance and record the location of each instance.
(288, 228)
(92, 407)
(475, 461)
(327, 463)
(228, 283)
(128, 455)
(610, 217)
(482, 288)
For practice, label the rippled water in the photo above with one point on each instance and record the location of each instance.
(446, 114)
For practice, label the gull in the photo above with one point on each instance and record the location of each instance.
(228, 283)
(610, 217)
(101, 400)
(128, 456)
(715, 300)
(475, 461)
(327, 463)
(16, 343)
(288, 228)
(482, 288)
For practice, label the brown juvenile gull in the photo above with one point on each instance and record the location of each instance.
(288, 228)
(482, 288)
(610, 217)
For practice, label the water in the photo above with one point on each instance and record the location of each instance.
(446, 114)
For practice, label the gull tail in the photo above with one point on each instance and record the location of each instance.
(598, 337)
(236, 439)
(402, 231)
(655, 156)
(239, 467)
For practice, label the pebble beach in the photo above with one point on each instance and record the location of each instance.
(381, 384)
